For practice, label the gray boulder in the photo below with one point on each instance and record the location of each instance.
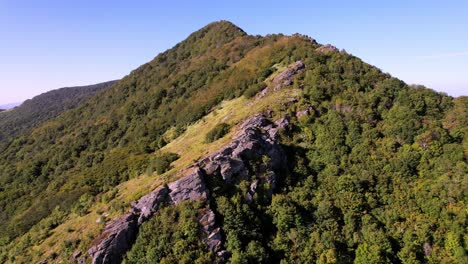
(117, 238)
(191, 187)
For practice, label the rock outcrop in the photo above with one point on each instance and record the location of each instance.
(212, 238)
(120, 234)
(117, 238)
(327, 48)
(147, 205)
(191, 187)
(255, 140)
(283, 79)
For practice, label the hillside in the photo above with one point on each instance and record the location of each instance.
(242, 149)
(43, 107)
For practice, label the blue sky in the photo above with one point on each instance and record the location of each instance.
(46, 44)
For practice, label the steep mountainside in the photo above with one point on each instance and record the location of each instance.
(44, 107)
(243, 149)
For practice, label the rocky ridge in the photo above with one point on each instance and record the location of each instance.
(283, 79)
(256, 138)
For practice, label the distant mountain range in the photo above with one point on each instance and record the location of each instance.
(9, 106)
(41, 108)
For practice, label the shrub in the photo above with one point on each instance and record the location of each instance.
(217, 132)
(254, 89)
(266, 73)
(162, 163)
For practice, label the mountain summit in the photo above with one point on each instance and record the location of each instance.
(232, 148)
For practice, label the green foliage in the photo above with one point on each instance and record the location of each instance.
(83, 204)
(44, 107)
(161, 162)
(254, 89)
(217, 132)
(173, 236)
(376, 172)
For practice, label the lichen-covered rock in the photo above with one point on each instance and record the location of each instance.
(191, 187)
(117, 238)
(147, 205)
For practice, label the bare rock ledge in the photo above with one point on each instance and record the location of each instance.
(257, 137)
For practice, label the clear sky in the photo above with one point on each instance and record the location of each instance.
(50, 44)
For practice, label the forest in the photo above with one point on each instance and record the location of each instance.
(376, 170)
(44, 107)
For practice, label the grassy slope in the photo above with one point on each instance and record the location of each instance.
(79, 231)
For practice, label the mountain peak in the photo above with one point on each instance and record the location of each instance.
(224, 26)
(215, 33)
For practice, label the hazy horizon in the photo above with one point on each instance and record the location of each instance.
(55, 44)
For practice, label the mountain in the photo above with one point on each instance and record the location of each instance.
(9, 106)
(43, 107)
(242, 149)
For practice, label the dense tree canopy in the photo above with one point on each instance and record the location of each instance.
(377, 169)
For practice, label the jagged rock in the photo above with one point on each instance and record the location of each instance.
(327, 48)
(120, 234)
(256, 138)
(262, 93)
(286, 75)
(117, 238)
(147, 205)
(281, 123)
(213, 238)
(191, 187)
(284, 78)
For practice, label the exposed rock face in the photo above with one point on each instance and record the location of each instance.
(212, 232)
(255, 140)
(149, 204)
(118, 236)
(327, 48)
(191, 187)
(284, 78)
